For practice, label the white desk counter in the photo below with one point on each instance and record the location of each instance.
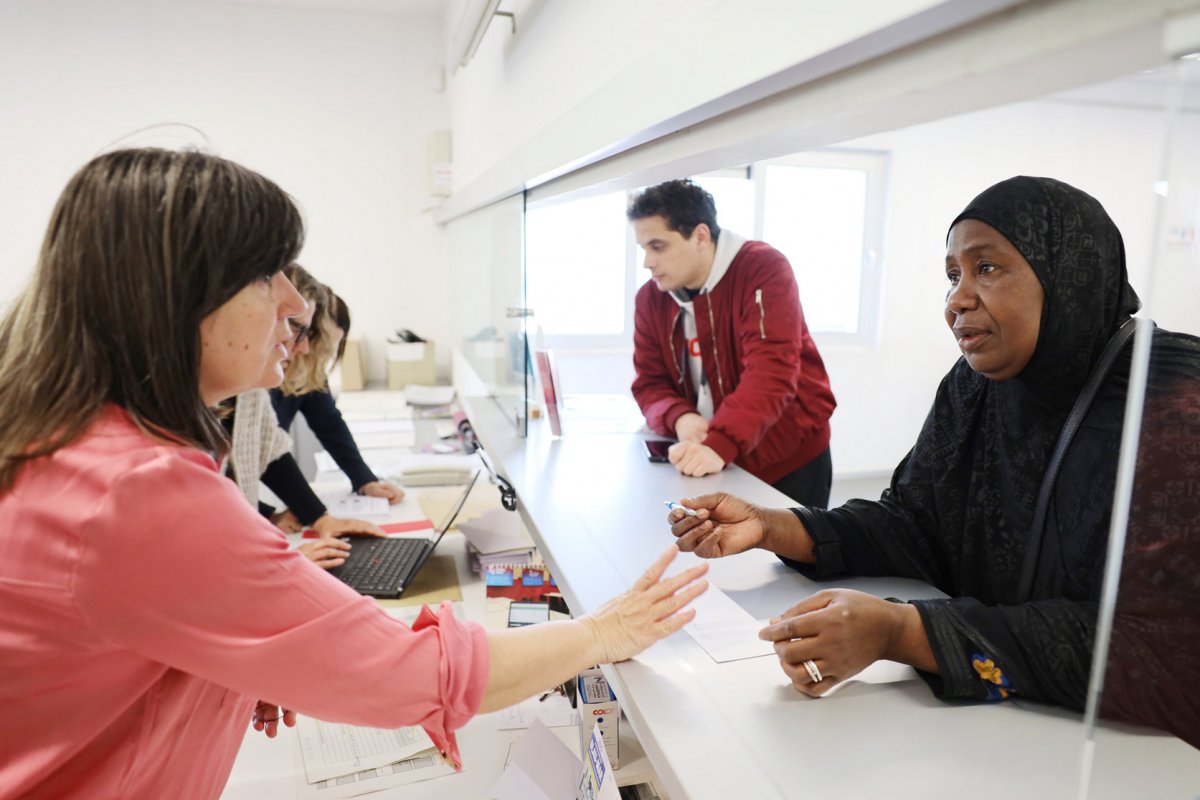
(739, 730)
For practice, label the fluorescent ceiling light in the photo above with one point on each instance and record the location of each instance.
(472, 25)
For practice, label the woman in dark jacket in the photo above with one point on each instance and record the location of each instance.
(1038, 289)
(305, 390)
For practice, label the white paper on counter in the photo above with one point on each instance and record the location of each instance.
(419, 768)
(553, 712)
(331, 749)
(725, 630)
(358, 506)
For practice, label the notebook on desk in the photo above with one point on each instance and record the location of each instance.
(384, 567)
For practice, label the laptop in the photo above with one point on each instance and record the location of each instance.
(384, 567)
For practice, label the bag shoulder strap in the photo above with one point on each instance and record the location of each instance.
(1083, 403)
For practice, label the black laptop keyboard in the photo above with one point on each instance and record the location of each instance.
(380, 566)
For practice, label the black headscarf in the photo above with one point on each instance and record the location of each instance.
(977, 467)
(1079, 257)
(959, 511)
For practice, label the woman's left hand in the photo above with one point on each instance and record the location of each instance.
(391, 491)
(841, 631)
(267, 715)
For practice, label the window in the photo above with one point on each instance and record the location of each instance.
(814, 216)
(822, 209)
(577, 269)
(733, 193)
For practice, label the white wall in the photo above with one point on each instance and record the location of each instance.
(335, 107)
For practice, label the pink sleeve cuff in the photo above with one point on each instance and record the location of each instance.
(462, 675)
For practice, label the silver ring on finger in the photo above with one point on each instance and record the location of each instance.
(814, 671)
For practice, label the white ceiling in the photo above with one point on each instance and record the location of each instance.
(396, 8)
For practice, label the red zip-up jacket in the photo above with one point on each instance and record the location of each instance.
(771, 395)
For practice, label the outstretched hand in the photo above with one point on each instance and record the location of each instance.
(651, 610)
(724, 525)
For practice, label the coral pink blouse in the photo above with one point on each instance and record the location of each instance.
(145, 607)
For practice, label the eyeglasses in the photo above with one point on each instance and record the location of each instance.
(300, 332)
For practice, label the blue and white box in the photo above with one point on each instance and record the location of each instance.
(596, 702)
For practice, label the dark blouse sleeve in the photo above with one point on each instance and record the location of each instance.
(866, 537)
(1040, 650)
(285, 406)
(323, 416)
(284, 478)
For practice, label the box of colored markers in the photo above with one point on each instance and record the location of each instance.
(598, 703)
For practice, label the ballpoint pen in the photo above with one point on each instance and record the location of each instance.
(671, 506)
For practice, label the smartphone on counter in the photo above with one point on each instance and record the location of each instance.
(656, 450)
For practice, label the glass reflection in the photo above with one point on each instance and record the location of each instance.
(1150, 614)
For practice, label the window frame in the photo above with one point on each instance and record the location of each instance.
(874, 163)
(870, 294)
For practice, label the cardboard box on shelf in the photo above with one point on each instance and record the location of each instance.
(597, 702)
(410, 362)
(354, 365)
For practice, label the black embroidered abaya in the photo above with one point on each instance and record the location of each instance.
(959, 510)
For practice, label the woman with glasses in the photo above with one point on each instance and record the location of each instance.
(144, 606)
(261, 451)
(305, 390)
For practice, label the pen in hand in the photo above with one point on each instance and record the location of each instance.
(671, 506)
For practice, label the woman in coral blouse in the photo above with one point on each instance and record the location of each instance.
(145, 607)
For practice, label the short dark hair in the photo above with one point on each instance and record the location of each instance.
(683, 205)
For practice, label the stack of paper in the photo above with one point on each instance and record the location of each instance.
(351, 760)
(498, 537)
(417, 395)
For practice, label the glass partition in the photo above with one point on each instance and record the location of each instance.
(488, 299)
(1149, 625)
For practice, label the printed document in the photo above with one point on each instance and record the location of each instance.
(359, 506)
(331, 749)
(725, 630)
(418, 768)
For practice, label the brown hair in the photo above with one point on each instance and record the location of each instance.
(306, 372)
(339, 313)
(142, 245)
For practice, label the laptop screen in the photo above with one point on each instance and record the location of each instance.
(458, 506)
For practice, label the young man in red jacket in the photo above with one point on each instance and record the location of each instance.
(724, 360)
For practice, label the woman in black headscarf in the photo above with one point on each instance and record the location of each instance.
(1038, 290)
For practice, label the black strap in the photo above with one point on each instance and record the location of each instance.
(1083, 403)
